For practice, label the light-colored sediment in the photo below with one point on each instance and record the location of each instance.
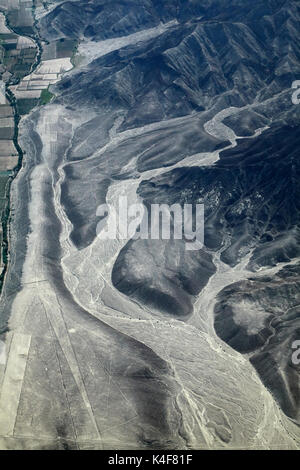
(216, 384)
(64, 366)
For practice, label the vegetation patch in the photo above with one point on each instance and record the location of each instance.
(24, 106)
(46, 97)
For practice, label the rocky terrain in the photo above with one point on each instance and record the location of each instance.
(141, 343)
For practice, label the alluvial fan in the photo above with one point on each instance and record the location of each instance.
(133, 342)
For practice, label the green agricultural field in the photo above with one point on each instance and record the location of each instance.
(65, 48)
(6, 111)
(26, 105)
(21, 22)
(18, 65)
(3, 185)
(7, 133)
(46, 97)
